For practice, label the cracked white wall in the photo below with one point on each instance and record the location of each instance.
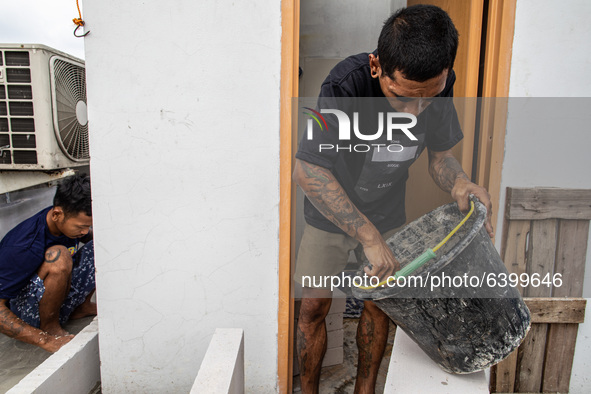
(183, 101)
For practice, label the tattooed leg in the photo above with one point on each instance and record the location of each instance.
(55, 272)
(372, 336)
(311, 337)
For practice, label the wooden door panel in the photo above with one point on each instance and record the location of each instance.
(422, 193)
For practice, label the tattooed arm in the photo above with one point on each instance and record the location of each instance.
(14, 327)
(328, 196)
(448, 174)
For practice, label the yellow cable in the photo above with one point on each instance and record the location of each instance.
(435, 249)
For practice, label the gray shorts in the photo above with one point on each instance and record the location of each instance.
(324, 254)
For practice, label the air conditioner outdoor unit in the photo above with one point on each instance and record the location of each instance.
(43, 118)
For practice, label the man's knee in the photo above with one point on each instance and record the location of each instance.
(57, 260)
(314, 310)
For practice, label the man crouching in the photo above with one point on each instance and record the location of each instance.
(45, 278)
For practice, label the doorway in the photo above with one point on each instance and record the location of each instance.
(317, 36)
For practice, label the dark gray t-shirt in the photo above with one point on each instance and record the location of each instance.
(373, 172)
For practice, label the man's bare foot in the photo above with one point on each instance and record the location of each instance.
(53, 343)
(55, 330)
(83, 310)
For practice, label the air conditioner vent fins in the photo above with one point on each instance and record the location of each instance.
(71, 125)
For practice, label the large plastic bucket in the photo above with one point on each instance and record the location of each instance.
(464, 325)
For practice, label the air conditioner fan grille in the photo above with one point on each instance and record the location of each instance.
(69, 105)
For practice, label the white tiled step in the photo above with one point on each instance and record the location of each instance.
(412, 371)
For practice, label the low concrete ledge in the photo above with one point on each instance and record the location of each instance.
(74, 369)
(222, 369)
(412, 371)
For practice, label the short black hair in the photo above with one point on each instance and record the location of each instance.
(73, 195)
(420, 41)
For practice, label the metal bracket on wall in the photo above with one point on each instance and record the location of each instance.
(16, 180)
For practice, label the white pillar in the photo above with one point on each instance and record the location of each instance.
(183, 102)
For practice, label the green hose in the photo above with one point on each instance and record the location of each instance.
(416, 263)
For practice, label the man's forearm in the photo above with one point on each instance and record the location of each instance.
(14, 327)
(445, 170)
(329, 197)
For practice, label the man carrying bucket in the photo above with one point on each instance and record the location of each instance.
(356, 196)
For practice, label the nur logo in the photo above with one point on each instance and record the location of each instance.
(344, 124)
(315, 115)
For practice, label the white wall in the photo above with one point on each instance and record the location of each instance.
(183, 101)
(551, 58)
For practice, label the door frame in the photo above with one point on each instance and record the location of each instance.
(496, 77)
(495, 83)
(290, 41)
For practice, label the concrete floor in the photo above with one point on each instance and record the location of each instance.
(340, 379)
(18, 358)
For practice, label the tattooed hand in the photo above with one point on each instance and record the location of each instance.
(447, 173)
(383, 262)
(461, 193)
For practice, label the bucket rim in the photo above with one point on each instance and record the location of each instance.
(386, 292)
